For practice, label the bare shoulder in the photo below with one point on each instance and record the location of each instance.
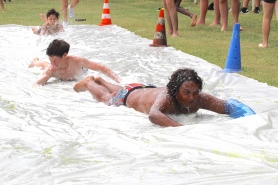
(49, 71)
(163, 101)
(73, 57)
(77, 59)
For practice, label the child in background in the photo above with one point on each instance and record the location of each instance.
(67, 67)
(51, 25)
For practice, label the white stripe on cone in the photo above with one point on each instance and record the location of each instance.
(104, 16)
(105, 5)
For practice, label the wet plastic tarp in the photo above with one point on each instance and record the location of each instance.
(53, 135)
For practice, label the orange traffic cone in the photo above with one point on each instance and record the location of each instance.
(105, 18)
(160, 34)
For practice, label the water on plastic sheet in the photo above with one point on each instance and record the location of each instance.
(53, 135)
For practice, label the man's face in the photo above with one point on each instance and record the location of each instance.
(188, 93)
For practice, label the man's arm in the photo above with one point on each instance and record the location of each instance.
(157, 113)
(99, 67)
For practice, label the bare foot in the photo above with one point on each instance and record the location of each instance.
(81, 85)
(34, 62)
(37, 63)
(175, 35)
(193, 20)
(263, 45)
(199, 22)
(215, 23)
(224, 28)
(35, 30)
(98, 80)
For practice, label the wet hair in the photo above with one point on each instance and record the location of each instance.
(57, 48)
(180, 76)
(52, 12)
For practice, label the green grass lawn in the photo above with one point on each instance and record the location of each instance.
(140, 17)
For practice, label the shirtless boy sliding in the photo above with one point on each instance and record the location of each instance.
(66, 67)
(182, 95)
(51, 24)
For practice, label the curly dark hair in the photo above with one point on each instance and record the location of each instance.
(52, 12)
(180, 76)
(57, 48)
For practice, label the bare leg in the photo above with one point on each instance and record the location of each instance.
(182, 10)
(203, 11)
(95, 87)
(65, 4)
(223, 6)
(35, 30)
(216, 13)
(2, 6)
(37, 63)
(257, 3)
(235, 10)
(110, 87)
(172, 17)
(245, 3)
(268, 12)
(257, 6)
(186, 12)
(74, 3)
(276, 10)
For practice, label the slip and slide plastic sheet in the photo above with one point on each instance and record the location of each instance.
(53, 135)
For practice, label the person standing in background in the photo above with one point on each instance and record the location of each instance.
(224, 10)
(244, 9)
(171, 17)
(65, 8)
(203, 12)
(2, 6)
(186, 12)
(268, 7)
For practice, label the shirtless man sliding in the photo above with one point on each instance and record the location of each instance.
(182, 95)
(66, 67)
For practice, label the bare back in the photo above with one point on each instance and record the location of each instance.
(143, 100)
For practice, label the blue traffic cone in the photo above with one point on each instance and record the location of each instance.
(233, 62)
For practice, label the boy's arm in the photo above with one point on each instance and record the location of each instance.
(43, 29)
(211, 103)
(61, 28)
(43, 18)
(232, 107)
(44, 78)
(157, 113)
(99, 67)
